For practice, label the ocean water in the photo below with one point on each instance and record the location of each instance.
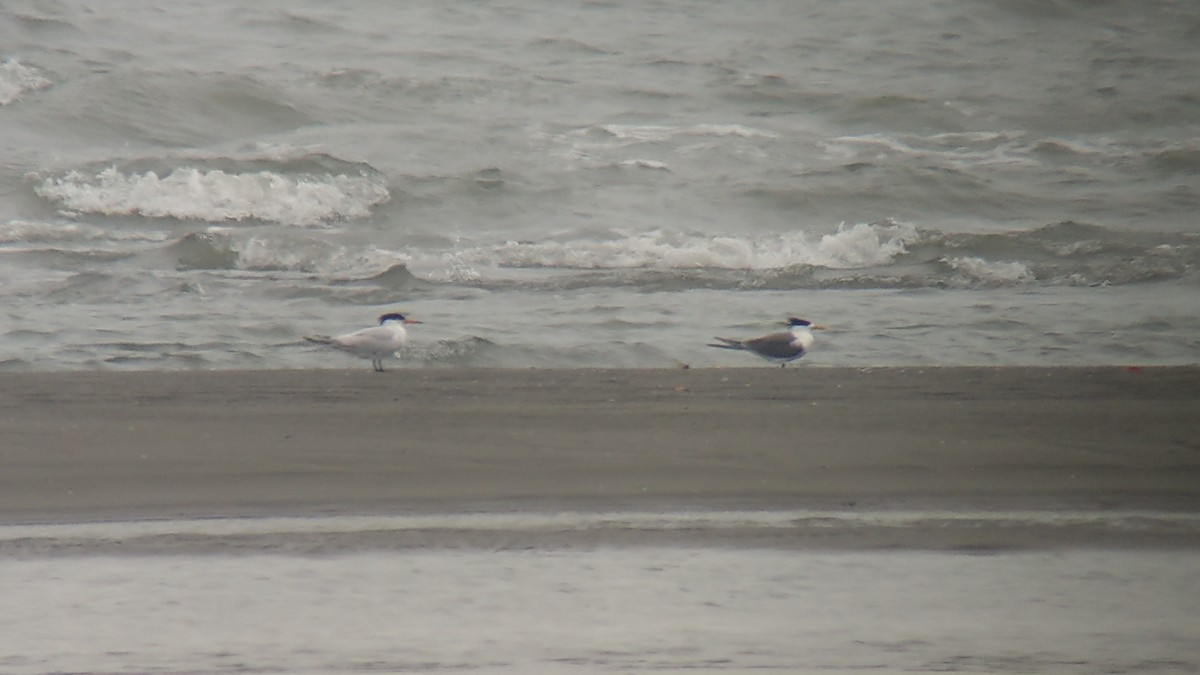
(603, 183)
(430, 594)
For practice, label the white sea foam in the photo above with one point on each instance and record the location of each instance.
(217, 196)
(960, 150)
(282, 251)
(17, 79)
(861, 245)
(658, 133)
(42, 232)
(866, 245)
(645, 164)
(991, 273)
(593, 144)
(855, 247)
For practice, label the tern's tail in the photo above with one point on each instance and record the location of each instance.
(319, 339)
(726, 343)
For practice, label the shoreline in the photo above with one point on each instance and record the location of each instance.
(102, 446)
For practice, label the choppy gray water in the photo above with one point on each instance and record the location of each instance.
(198, 185)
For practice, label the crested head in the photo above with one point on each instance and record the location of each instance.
(392, 317)
(796, 322)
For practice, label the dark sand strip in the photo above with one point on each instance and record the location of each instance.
(94, 446)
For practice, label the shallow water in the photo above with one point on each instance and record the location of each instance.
(593, 185)
(604, 610)
(601, 592)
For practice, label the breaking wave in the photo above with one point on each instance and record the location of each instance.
(875, 255)
(881, 255)
(857, 246)
(297, 193)
(17, 79)
(861, 256)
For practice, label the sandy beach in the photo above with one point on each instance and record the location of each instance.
(82, 446)
(596, 521)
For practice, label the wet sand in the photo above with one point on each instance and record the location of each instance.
(87, 446)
